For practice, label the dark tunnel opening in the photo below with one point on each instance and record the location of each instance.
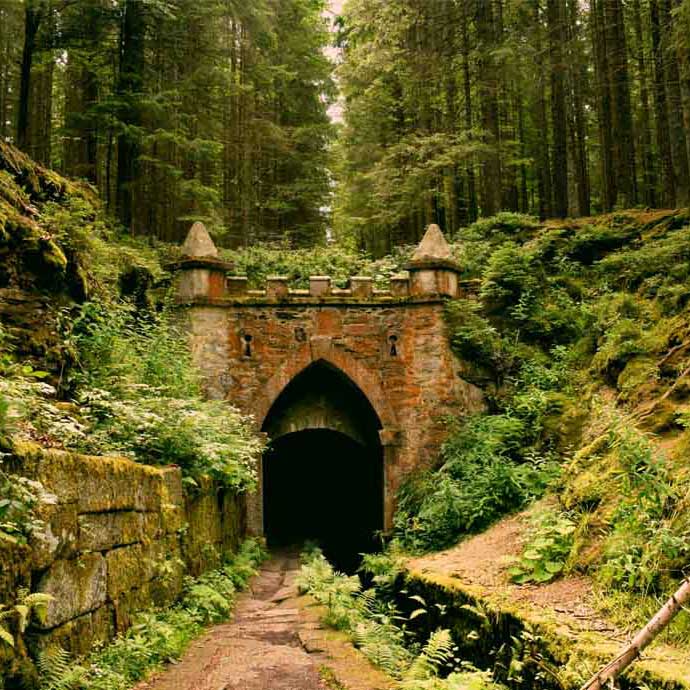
(323, 472)
(322, 486)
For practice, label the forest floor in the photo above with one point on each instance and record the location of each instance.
(567, 607)
(274, 642)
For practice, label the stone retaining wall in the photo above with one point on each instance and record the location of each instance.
(119, 537)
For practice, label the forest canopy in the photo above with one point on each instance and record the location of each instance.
(461, 108)
(218, 110)
(211, 110)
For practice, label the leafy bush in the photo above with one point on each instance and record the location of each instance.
(19, 497)
(139, 395)
(648, 539)
(203, 437)
(548, 547)
(341, 263)
(511, 275)
(479, 482)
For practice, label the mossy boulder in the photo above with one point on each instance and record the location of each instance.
(33, 257)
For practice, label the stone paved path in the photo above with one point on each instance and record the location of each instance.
(274, 642)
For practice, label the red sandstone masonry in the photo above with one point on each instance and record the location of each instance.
(251, 344)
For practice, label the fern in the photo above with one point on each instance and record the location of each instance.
(5, 635)
(56, 670)
(439, 652)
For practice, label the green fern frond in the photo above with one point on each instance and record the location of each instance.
(437, 653)
(53, 665)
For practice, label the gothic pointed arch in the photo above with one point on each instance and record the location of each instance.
(367, 381)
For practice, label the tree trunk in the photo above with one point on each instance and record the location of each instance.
(663, 134)
(644, 120)
(130, 85)
(543, 158)
(488, 86)
(621, 111)
(606, 146)
(556, 24)
(32, 22)
(472, 203)
(675, 105)
(578, 77)
(682, 40)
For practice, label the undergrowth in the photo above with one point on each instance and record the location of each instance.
(134, 392)
(579, 337)
(157, 637)
(382, 634)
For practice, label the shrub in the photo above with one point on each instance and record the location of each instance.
(479, 482)
(548, 547)
(203, 437)
(510, 275)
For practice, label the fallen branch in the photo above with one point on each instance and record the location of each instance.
(642, 640)
(650, 409)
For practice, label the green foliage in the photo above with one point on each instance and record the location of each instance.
(335, 260)
(15, 619)
(548, 547)
(563, 313)
(381, 632)
(139, 395)
(19, 497)
(647, 540)
(156, 637)
(482, 478)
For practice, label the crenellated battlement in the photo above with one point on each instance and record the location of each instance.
(202, 276)
(321, 289)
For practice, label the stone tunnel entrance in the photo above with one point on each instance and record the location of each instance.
(323, 472)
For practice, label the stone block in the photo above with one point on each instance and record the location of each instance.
(319, 286)
(237, 286)
(95, 484)
(193, 283)
(105, 531)
(173, 518)
(78, 586)
(400, 286)
(79, 635)
(277, 287)
(173, 493)
(127, 569)
(128, 604)
(59, 538)
(362, 287)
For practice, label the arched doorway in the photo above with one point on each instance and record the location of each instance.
(323, 472)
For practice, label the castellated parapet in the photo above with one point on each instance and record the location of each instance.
(392, 345)
(431, 274)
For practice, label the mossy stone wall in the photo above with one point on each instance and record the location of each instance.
(118, 537)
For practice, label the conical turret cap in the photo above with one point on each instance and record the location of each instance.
(433, 246)
(199, 243)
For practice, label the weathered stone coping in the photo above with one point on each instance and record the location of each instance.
(297, 299)
(567, 649)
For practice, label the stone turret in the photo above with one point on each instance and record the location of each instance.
(432, 269)
(201, 274)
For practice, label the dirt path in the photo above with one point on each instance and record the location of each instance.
(274, 642)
